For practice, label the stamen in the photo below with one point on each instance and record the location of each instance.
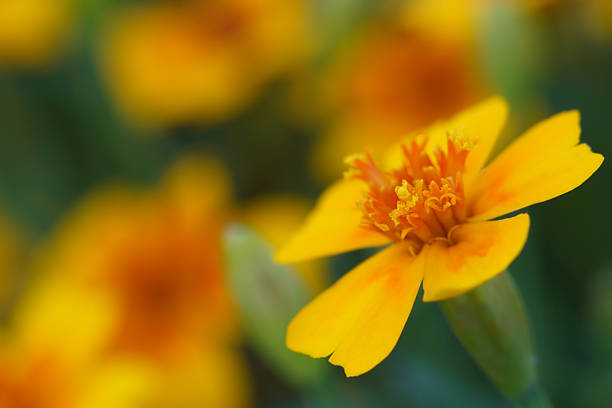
(461, 139)
(423, 199)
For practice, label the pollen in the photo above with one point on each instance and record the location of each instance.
(461, 139)
(423, 198)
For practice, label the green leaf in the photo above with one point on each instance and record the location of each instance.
(267, 296)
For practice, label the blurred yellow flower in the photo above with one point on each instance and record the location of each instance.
(392, 80)
(276, 217)
(172, 63)
(434, 202)
(33, 31)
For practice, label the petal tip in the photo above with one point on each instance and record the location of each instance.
(599, 159)
(500, 101)
(349, 371)
(496, 104)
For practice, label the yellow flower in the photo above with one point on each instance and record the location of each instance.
(172, 63)
(33, 31)
(395, 78)
(433, 200)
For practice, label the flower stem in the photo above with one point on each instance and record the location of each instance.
(491, 323)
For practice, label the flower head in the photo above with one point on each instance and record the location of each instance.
(157, 255)
(141, 273)
(432, 199)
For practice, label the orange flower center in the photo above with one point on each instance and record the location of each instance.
(423, 199)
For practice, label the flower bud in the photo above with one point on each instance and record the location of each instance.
(491, 323)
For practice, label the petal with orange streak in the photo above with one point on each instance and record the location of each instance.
(479, 252)
(360, 318)
(332, 227)
(545, 162)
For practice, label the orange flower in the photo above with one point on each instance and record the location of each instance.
(157, 255)
(392, 80)
(141, 272)
(433, 200)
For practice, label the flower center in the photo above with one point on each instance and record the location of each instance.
(423, 199)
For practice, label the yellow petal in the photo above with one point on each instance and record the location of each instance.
(482, 122)
(542, 164)
(481, 250)
(332, 227)
(360, 318)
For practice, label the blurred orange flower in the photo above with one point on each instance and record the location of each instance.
(395, 78)
(172, 63)
(141, 272)
(433, 201)
(157, 254)
(33, 31)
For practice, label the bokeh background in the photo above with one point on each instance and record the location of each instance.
(154, 152)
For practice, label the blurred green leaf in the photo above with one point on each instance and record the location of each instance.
(268, 295)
